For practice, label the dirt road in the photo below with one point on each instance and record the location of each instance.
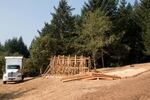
(137, 88)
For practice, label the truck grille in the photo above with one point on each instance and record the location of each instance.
(12, 74)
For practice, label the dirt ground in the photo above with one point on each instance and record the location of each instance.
(136, 88)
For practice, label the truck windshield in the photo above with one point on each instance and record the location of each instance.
(13, 67)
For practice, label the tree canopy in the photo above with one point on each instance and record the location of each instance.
(16, 46)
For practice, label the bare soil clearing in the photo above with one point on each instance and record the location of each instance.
(136, 88)
(128, 71)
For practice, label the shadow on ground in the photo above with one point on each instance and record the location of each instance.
(14, 94)
(25, 80)
(28, 79)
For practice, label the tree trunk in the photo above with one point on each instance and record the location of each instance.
(41, 71)
(102, 59)
(94, 65)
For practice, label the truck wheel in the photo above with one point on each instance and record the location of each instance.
(4, 82)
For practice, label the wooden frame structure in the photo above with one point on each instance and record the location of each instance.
(68, 65)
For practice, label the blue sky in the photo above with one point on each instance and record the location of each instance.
(25, 17)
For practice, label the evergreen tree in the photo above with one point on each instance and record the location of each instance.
(133, 37)
(15, 46)
(46, 30)
(1, 49)
(136, 4)
(109, 7)
(143, 14)
(63, 22)
(62, 27)
(23, 48)
(2, 63)
(42, 48)
(126, 24)
(121, 18)
(55, 38)
(11, 46)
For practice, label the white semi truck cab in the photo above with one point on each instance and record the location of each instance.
(13, 69)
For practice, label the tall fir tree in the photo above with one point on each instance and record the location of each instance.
(133, 37)
(62, 24)
(127, 26)
(63, 27)
(109, 7)
(1, 47)
(22, 48)
(121, 18)
(143, 14)
(16, 47)
(55, 38)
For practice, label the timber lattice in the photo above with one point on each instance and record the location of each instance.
(68, 65)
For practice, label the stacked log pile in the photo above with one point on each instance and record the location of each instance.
(90, 76)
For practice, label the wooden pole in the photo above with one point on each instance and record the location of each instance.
(75, 60)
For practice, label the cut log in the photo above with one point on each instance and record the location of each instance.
(90, 76)
(75, 78)
(100, 75)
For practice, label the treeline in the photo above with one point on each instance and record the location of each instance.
(12, 47)
(111, 32)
